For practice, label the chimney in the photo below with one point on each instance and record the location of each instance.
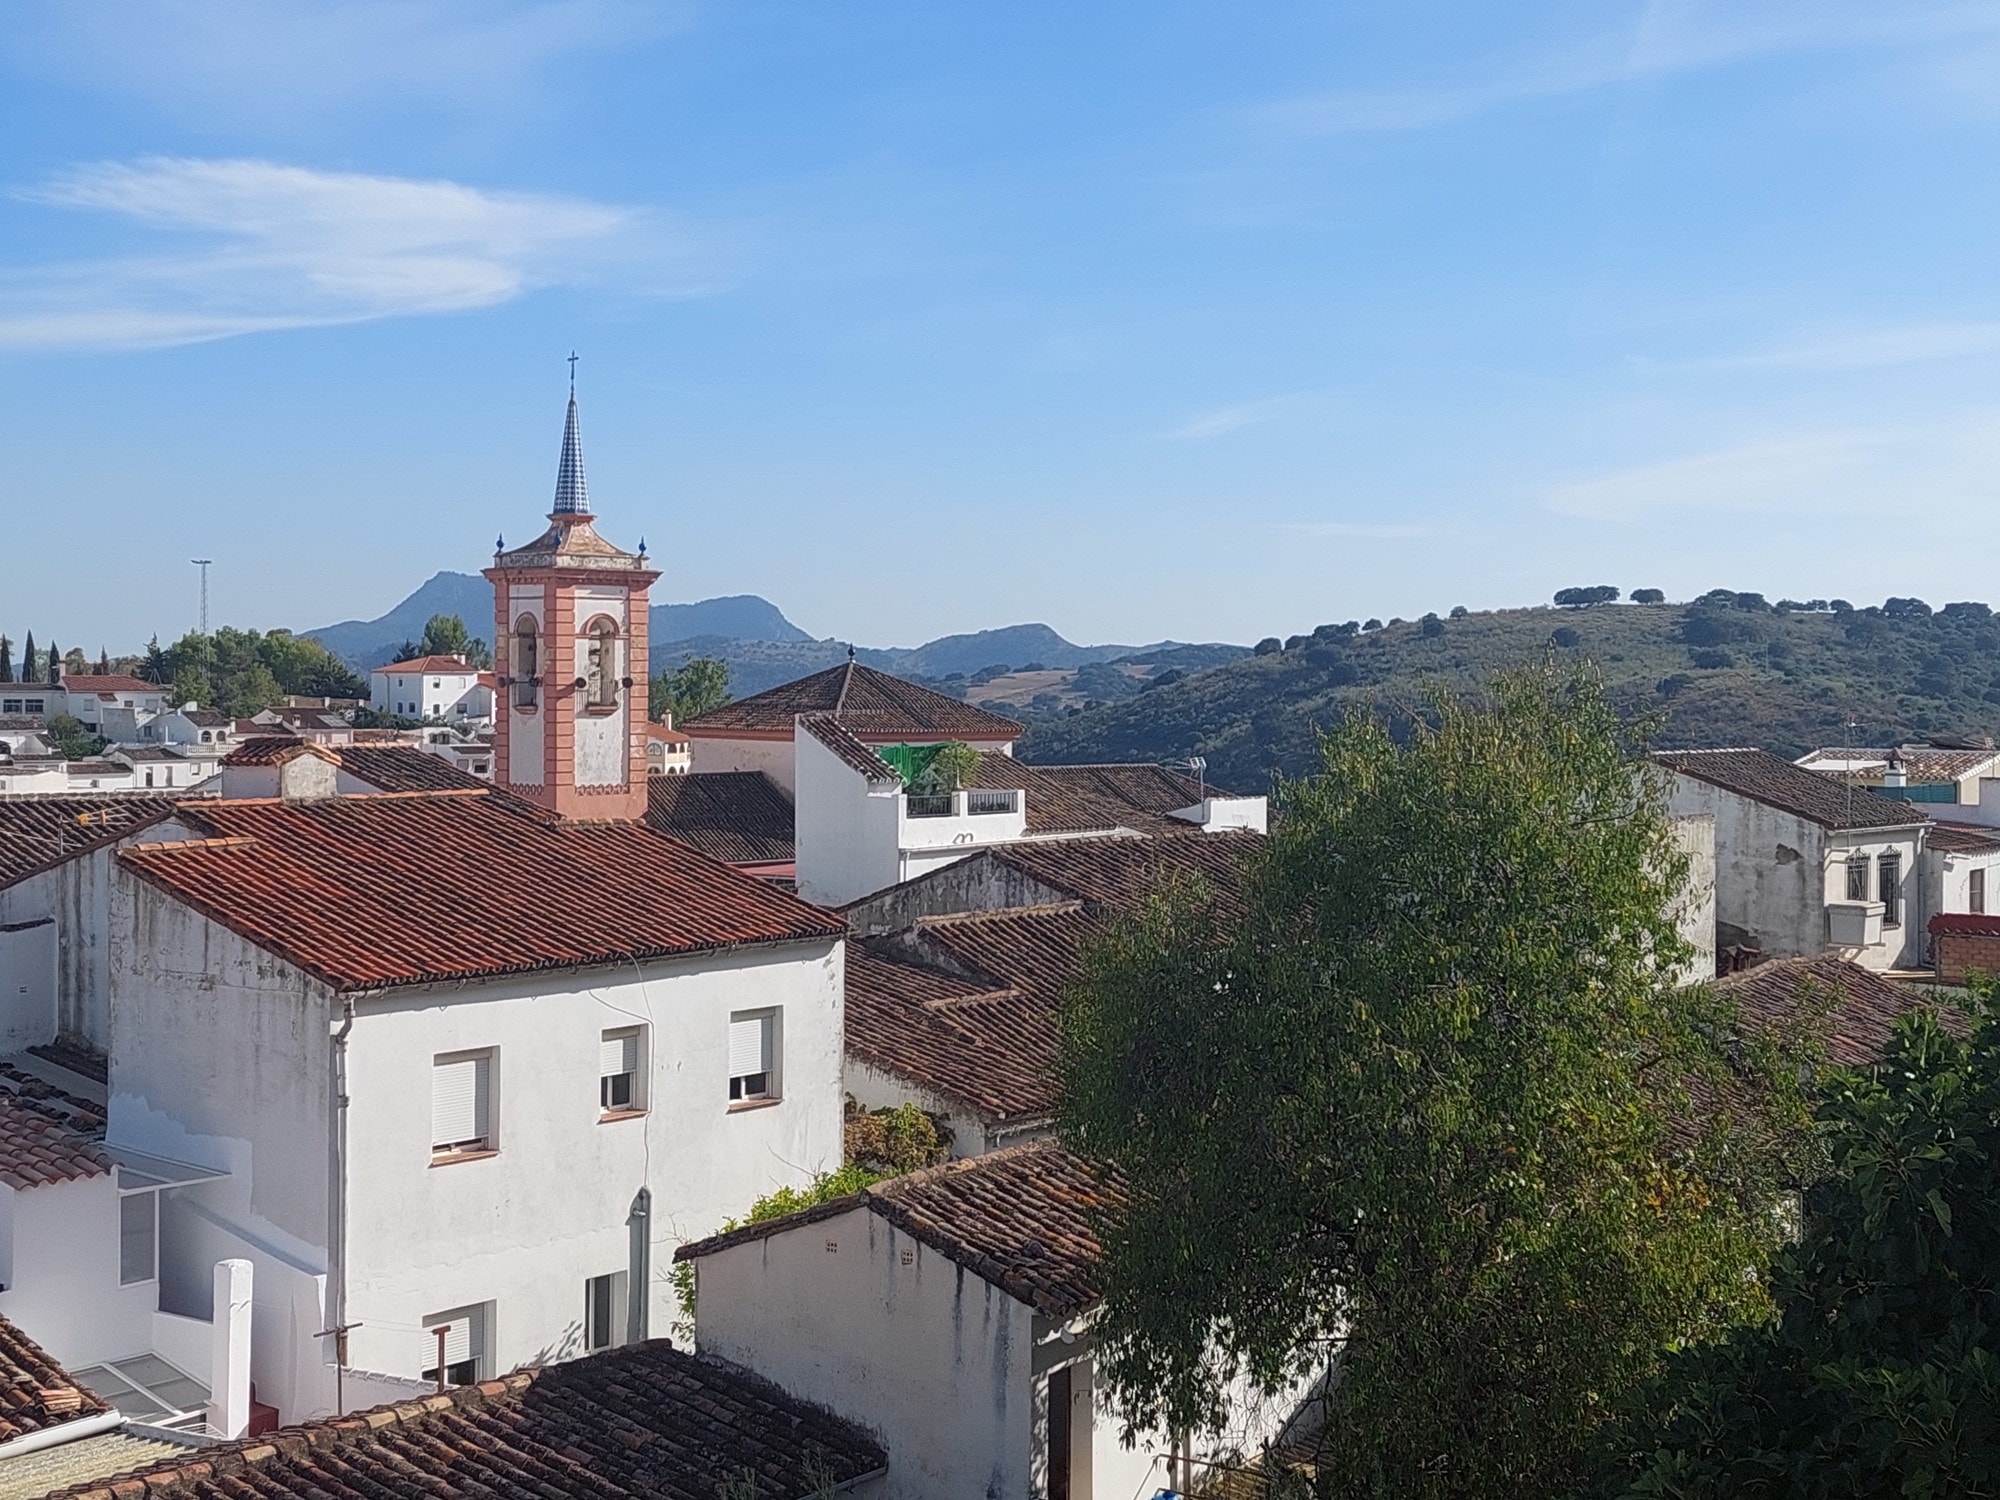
(308, 778)
(1893, 774)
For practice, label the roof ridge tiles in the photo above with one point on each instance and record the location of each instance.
(1003, 913)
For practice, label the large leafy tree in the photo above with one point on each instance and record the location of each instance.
(690, 690)
(1426, 1107)
(446, 635)
(243, 671)
(1881, 1373)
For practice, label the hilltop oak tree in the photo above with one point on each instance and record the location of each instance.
(1881, 1373)
(1425, 1107)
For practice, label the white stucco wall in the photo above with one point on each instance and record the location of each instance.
(928, 1355)
(525, 1228)
(62, 1282)
(1694, 836)
(602, 738)
(1905, 945)
(846, 828)
(1948, 877)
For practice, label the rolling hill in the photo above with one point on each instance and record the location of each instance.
(1726, 669)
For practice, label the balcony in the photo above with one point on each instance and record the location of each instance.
(973, 802)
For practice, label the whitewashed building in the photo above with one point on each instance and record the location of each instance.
(114, 702)
(1804, 864)
(444, 688)
(950, 1311)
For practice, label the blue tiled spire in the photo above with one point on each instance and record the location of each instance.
(571, 498)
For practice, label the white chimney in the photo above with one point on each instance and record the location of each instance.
(1892, 773)
(229, 1346)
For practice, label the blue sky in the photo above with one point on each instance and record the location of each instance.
(1151, 319)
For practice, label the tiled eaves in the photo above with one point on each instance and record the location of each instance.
(827, 729)
(31, 1383)
(25, 822)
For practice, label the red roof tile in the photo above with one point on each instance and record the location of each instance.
(39, 833)
(441, 665)
(272, 750)
(1023, 1219)
(1776, 782)
(36, 1393)
(371, 892)
(660, 734)
(871, 704)
(1964, 924)
(830, 732)
(1962, 838)
(645, 1422)
(1860, 1005)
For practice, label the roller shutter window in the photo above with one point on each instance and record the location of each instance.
(752, 1067)
(618, 1071)
(464, 1345)
(461, 1095)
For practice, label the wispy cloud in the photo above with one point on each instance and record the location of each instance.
(1219, 421)
(257, 246)
(1872, 348)
(1672, 36)
(1900, 475)
(1373, 531)
(284, 61)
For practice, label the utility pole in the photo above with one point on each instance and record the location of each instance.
(207, 663)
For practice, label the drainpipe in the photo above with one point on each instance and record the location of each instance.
(639, 1268)
(337, 1325)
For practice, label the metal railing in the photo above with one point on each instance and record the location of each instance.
(927, 804)
(980, 801)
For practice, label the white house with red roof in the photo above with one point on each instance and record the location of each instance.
(468, 1060)
(447, 688)
(114, 705)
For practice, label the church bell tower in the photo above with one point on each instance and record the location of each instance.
(569, 656)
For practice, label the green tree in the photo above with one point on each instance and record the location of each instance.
(73, 739)
(689, 690)
(6, 659)
(446, 635)
(1880, 1374)
(55, 660)
(1423, 1103)
(28, 659)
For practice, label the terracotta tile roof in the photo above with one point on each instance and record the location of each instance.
(984, 1038)
(402, 768)
(1962, 838)
(272, 749)
(660, 734)
(1922, 763)
(36, 1393)
(205, 718)
(828, 730)
(1863, 1003)
(47, 1134)
(1121, 872)
(115, 683)
(1964, 923)
(1022, 1219)
(39, 833)
(869, 703)
(1095, 799)
(645, 1421)
(738, 817)
(441, 665)
(371, 892)
(1776, 782)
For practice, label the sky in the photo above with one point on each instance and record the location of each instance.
(1143, 319)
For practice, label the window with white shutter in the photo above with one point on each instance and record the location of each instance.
(461, 1103)
(753, 1064)
(619, 1074)
(464, 1338)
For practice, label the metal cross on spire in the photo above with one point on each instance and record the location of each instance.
(572, 372)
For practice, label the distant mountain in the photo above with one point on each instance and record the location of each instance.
(1724, 669)
(369, 643)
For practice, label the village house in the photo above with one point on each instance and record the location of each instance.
(167, 767)
(115, 706)
(667, 750)
(1803, 864)
(446, 688)
(319, 726)
(190, 726)
(950, 1310)
(31, 700)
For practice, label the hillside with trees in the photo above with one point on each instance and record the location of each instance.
(1727, 668)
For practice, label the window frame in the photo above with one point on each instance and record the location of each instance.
(1975, 890)
(526, 657)
(479, 1319)
(637, 1101)
(1889, 887)
(771, 1049)
(601, 663)
(1857, 876)
(488, 1140)
(152, 1232)
(615, 1327)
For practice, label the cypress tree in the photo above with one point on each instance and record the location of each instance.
(103, 662)
(6, 659)
(28, 659)
(55, 663)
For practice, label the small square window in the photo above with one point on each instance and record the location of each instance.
(620, 1077)
(461, 1103)
(605, 1314)
(753, 1063)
